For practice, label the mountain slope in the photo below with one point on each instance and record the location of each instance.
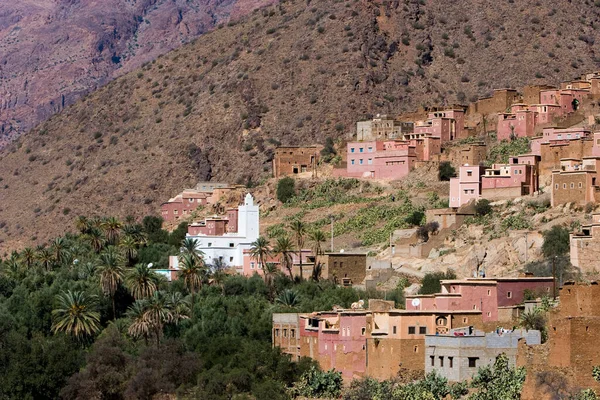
(293, 73)
(53, 51)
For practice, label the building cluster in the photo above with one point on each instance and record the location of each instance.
(188, 201)
(441, 332)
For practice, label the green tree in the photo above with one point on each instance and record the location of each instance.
(141, 281)
(483, 207)
(498, 381)
(28, 257)
(45, 258)
(535, 320)
(446, 171)
(260, 250)
(288, 298)
(75, 315)
(286, 189)
(298, 229)
(328, 151)
(556, 241)
(191, 271)
(430, 283)
(317, 237)
(111, 272)
(140, 326)
(315, 383)
(284, 248)
(129, 245)
(112, 229)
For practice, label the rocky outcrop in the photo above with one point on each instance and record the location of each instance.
(54, 51)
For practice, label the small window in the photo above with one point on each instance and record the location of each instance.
(277, 332)
(556, 186)
(231, 244)
(209, 244)
(451, 362)
(352, 163)
(572, 185)
(252, 265)
(465, 320)
(489, 292)
(442, 361)
(432, 360)
(360, 161)
(422, 330)
(352, 150)
(363, 331)
(509, 295)
(469, 173)
(473, 362)
(489, 314)
(292, 333)
(285, 333)
(230, 259)
(416, 349)
(411, 330)
(580, 185)
(394, 330)
(564, 185)
(360, 150)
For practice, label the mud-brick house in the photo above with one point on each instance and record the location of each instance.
(576, 181)
(294, 160)
(585, 245)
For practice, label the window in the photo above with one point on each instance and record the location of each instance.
(411, 330)
(509, 295)
(352, 163)
(370, 161)
(231, 244)
(441, 361)
(556, 186)
(422, 330)
(394, 330)
(432, 360)
(579, 185)
(572, 185)
(564, 185)
(451, 362)
(352, 150)
(489, 292)
(360, 150)
(363, 331)
(277, 332)
(370, 149)
(360, 161)
(416, 349)
(292, 333)
(285, 333)
(469, 173)
(252, 265)
(473, 362)
(230, 259)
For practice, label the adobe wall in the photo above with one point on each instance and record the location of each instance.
(498, 103)
(386, 357)
(578, 194)
(502, 193)
(291, 160)
(338, 266)
(585, 252)
(552, 154)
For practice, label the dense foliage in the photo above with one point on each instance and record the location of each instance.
(446, 171)
(430, 283)
(556, 241)
(87, 317)
(285, 189)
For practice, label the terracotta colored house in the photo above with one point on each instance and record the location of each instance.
(293, 160)
(182, 205)
(447, 125)
(382, 127)
(520, 123)
(252, 266)
(585, 245)
(467, 186)
(576, 181)
(487, 295)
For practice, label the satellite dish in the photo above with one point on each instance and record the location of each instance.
(150, 265)
(342, 250)
(415, 302)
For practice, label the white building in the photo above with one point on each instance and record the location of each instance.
(230, 246)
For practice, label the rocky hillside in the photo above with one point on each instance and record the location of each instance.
(292, 73)
(53, 51)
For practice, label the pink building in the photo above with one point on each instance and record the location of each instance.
(506, 181)
(216, 226)
(447, 125)
(186, 202)
(487, 295)
(252, 266)
(520, 123)
(467, 186)
(380, 160)
(557, 136)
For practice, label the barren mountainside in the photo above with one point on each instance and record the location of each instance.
(293, 73)
(53, 51)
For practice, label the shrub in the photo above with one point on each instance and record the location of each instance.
(483, 207)
(286, 189)
(556, 241)
(328, 151)
(446, 171)
(315, 383)
(430, 283)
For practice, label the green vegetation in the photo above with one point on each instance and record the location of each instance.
(500, 152)
(430, 283)
(328, 152)
(556, 241)
(86, 317)
(286, 189)
(446, 171)
(483, 207)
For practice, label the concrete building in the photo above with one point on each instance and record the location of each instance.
(252, 266)
(447, 125)
(293, 160)
(495, 298)
(576, 181)
(467, 186)
(186, 202)
(519, 123)
(585, 245)
(382, 127)
(458, 355)
(286, 334)
(226, 238)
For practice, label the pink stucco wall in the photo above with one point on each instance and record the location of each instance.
(517, 289)
(251, 266)
(348, 339)
(380, 160)
(523, 123)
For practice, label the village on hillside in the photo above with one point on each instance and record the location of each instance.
(473, 317)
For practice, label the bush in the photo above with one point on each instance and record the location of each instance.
(430, 283)
(328, 151)
(315, 383)
(556, 241)
(286, 189)
(483, 207)
(446, 171)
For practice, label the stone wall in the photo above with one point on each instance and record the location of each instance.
(383, 356)
(295, 160)
(338, 266)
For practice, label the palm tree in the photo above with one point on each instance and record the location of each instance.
(76, 315)
(28, 256)
(192, 271)
(96, 239)
(316, 237)
(140, 324)
(141, 281)
(179, 306)
(82, 224)
(260, 250)
(111, 274)
(158, 312)
(298, 228)
(288, 298)
(60, 250)
(130, 248)
(45, 258)
(284, 248)
(533, 319)
(136, 232)
(112, 229)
